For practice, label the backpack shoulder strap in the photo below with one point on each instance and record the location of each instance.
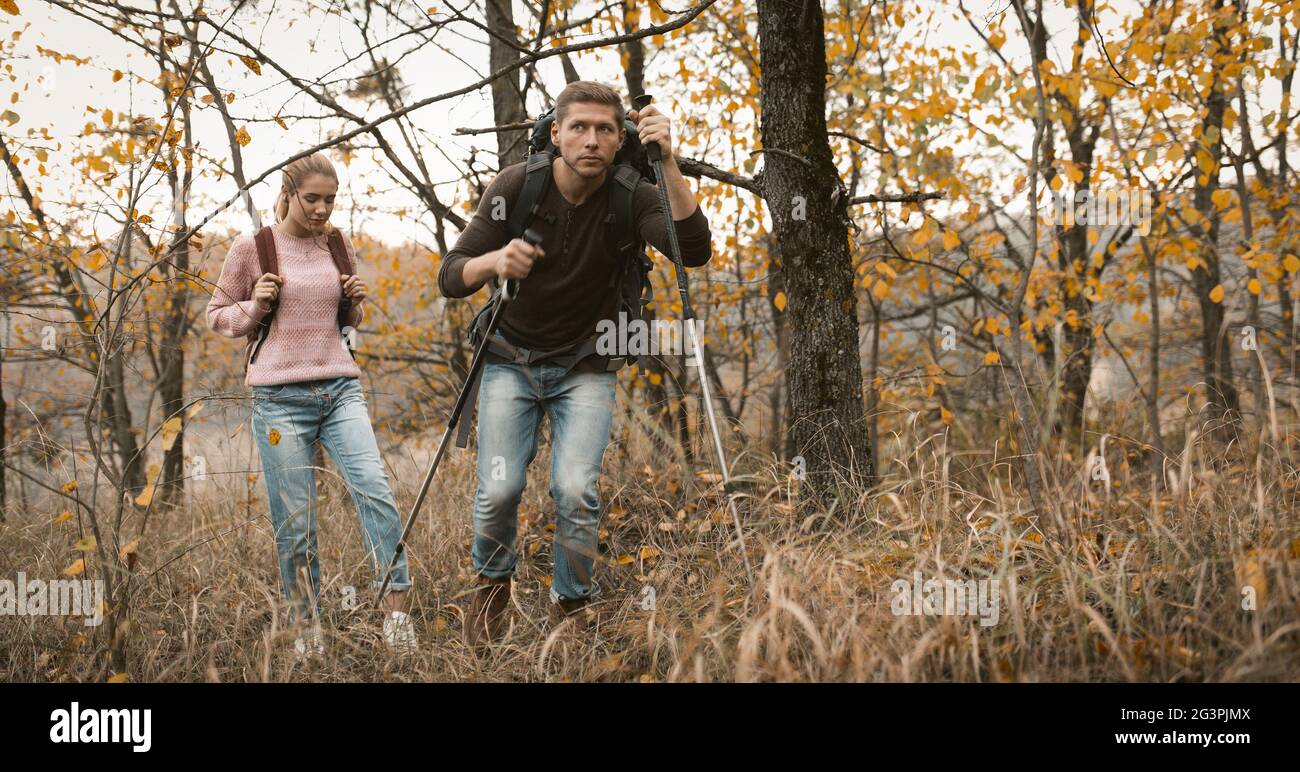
(618, 217)
(266, 257)
(536, 183)
(343, 263)
(620, 229)
(268, 263)
(339, 252)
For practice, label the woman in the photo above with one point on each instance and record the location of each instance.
(305, 389)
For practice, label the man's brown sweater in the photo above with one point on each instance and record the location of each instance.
(567, 293)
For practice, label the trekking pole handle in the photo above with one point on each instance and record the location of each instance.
(652, 151)
(510, 290)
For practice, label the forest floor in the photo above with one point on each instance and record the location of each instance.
(1196, 578)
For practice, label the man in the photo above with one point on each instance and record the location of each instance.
(565, 293)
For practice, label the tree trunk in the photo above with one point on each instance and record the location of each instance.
(116, 415)
(633, 56)
(807, 201)
(1216, 359)
(507, 99)
(176, 322)
(781, 444)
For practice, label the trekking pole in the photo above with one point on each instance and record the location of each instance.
(655, 154)
(509, 290)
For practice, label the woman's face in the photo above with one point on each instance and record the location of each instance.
(313, 202)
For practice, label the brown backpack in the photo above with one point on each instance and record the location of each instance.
(269, 263)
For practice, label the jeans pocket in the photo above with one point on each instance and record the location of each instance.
(348, 389)
(270, 392)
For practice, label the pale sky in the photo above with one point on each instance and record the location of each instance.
(319, 47)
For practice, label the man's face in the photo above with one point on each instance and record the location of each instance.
(589, 138)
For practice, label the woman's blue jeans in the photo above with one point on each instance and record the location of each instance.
(287, 421)
(580, 406)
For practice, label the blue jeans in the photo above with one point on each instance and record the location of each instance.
(287, 422)
(510, 404)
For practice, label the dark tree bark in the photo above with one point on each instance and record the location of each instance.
(1216, 359)
(781, 443)
(176, 320)
(807, 201)
(634, 69)
(507, 98)
(658, 403)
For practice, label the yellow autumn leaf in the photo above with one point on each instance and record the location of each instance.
(70, 486)
(951, 240)
(63, 517)
(1216, 294)
(1291, 263)
(945, 415)
(779, 301)
(242, 137)
(120, 678)
(649, 552)
(992, 358)
(78, 566)
(85, 544)
(170, 429)
(131, 548)
(274, 436)
(624, 560)
(251, 64)
(1255, 287)
(194, 409)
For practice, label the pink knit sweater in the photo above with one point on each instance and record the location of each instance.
(303, 343)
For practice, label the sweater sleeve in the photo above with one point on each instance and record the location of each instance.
(357, 310)
(484, 233)
(693, 234)
(232, 312)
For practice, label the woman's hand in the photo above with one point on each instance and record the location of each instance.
(267, 290)
(353, 287)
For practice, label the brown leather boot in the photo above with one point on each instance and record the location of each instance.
(577, 609)
(486, 618)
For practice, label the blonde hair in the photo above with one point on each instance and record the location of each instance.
(295, 174)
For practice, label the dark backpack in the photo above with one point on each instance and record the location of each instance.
(268, 261)
(631, 281)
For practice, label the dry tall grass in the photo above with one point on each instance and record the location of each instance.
(1145, 584)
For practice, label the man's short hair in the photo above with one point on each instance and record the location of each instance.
(589, 91)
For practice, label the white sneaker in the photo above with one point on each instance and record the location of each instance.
(399, 633)
(310, 644)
